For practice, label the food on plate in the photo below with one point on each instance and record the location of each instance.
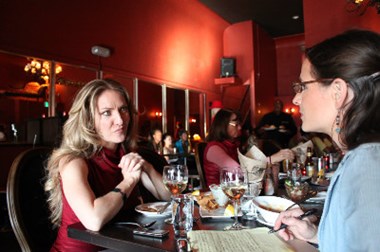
(206, 201)
(196, 193)
(230, 210)
(148, 209)
(297, 191)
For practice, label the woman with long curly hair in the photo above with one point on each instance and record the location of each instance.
(95, 171)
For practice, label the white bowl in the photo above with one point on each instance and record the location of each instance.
(270, 207)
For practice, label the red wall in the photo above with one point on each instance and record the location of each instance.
(176, 42)
(326, 18)
(289, 52)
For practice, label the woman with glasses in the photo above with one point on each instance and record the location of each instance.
(339, 95)
(223, 143)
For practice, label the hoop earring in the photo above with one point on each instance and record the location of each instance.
(337, 123)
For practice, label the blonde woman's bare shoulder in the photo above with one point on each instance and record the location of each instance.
(67, 164)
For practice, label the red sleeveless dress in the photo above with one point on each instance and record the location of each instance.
(103, 176)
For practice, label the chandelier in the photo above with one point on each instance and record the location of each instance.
(361, 6)
(40, 70)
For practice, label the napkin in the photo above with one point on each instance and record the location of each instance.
(254, 162)
(300, 151)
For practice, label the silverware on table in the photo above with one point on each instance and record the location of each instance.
(147, 225)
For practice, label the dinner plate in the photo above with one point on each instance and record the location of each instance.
(324, 183)
(215, 214)
(270, 128)
(329, 175)
(153, 209)
(321, 196)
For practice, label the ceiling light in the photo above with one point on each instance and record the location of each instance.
(295, 17)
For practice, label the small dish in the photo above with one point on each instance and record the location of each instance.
(153, 209)
(215, 214)
(261, 220)
(320, 196)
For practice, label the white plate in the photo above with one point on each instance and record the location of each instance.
(217, 213)
(270, 128)
(261, 220)
(329, 174)
(144, 209)
(321, 196)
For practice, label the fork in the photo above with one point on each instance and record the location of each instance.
(147, 225)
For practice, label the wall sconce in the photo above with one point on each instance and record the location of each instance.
(158, 114)
(361, 6)
(290, 110)
(40, 70)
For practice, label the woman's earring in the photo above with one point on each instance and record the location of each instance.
(337, 123)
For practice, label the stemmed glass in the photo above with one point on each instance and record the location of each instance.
(234, 185)
(175, 179)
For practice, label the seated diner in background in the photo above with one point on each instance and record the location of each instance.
(277, 126)
(94, 174)
(339, 94)
(155, 141)
(223, 143)
(167, 148)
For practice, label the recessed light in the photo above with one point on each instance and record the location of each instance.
(295, 17)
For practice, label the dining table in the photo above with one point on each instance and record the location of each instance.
(115, 237)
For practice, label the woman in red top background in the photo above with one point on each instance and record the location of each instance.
(223, 143)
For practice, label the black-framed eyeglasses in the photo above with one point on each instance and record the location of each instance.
(234, 123)
(299, 87)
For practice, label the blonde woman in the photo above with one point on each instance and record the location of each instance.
(94, 173)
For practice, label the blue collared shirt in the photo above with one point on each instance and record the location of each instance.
(351, 214)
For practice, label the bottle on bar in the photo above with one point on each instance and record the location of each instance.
(309, 164)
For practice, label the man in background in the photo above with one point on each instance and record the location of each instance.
(277, 126)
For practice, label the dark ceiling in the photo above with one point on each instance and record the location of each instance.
(274, 16)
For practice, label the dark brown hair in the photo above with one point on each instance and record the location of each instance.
(218, 129)
(353, 56)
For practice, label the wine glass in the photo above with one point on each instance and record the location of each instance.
(234, 185)
(175, 179)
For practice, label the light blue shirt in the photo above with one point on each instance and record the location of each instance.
(351, 215)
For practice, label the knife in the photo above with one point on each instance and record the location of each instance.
(164, 207)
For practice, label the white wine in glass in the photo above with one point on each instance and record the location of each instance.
(234, 185)
(175, 178)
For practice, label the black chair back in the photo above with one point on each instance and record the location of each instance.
(199, 151)
(27, 201)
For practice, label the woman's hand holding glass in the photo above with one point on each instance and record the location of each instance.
(303, 229)
(233, 184)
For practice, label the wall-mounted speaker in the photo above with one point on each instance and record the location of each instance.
(227, 67)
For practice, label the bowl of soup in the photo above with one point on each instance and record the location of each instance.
(270, 207)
